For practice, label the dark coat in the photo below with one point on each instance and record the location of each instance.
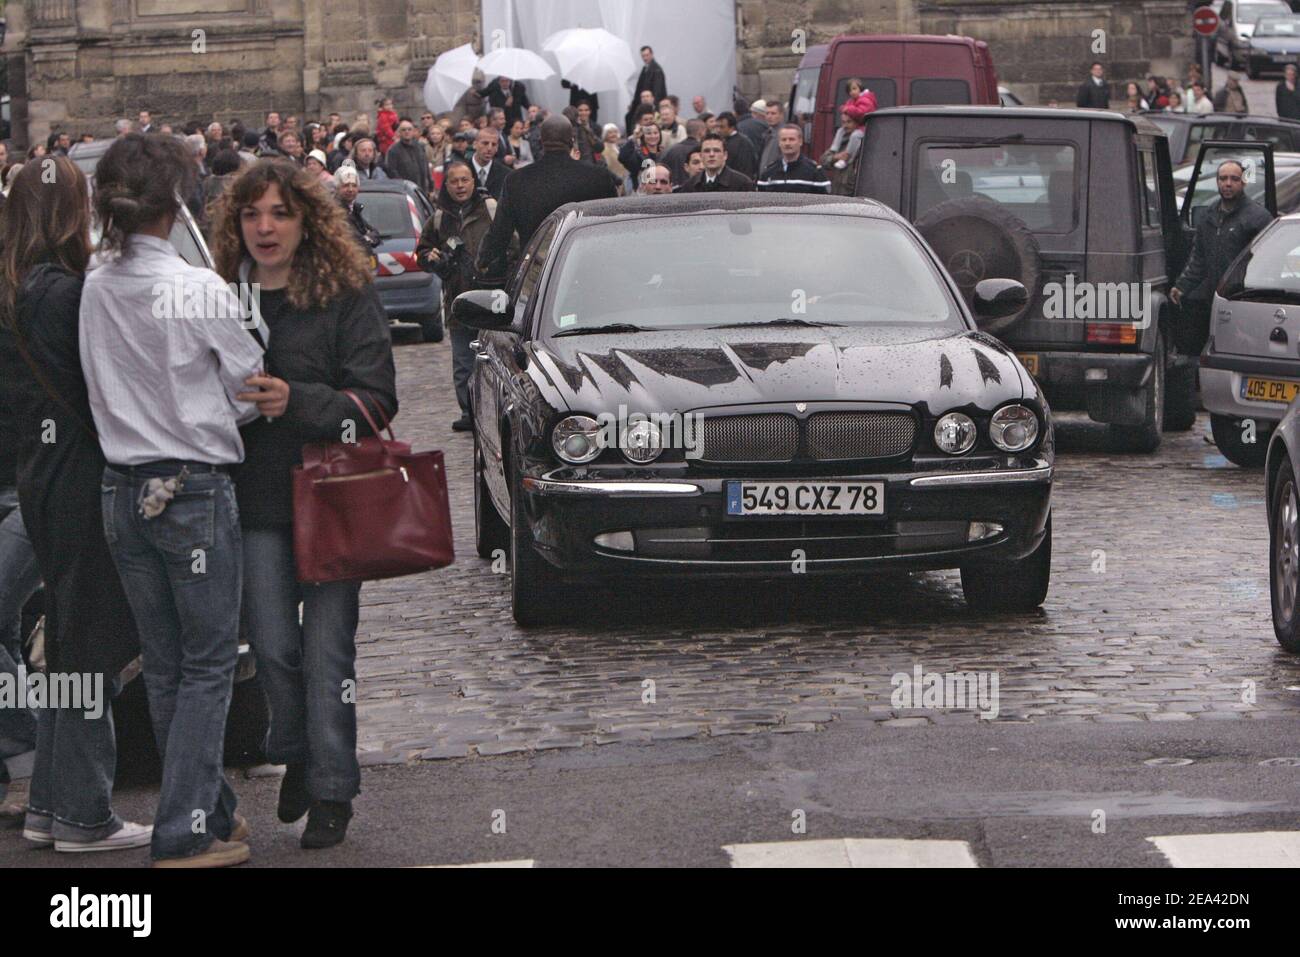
(756, 130)
(652, 78)
(1220, 237)
(496, 98)
(496, 178)
(728, 181)
(318, 352)
(470, 224)
(532, 194)
(366, 234)
(633, 157)
(675, 158)
(88, 624)
(1092, 95)
(410, 162)
(1288, 101)
(577, 94)
(803, 176)
(741, 155)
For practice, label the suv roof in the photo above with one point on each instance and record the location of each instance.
(1135, 120)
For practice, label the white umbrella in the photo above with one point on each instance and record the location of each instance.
(593, 59)
(516, 63)
(449, 77)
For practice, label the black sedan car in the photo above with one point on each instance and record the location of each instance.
(735, 385)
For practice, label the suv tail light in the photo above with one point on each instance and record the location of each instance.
(1112, 333)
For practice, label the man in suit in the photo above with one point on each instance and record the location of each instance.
(490, 173)
(536, 191)
(1094, 92)
(509, 96)
(716, 177)
(741, 155)
(677, 156)
(651, 78)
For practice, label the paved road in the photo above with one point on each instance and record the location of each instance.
(1154, 642)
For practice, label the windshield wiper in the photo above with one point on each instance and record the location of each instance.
(777, 322)
(597, 330)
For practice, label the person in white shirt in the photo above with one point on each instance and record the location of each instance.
(173, 367)
(1197, 101)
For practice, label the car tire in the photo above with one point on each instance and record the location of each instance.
(1019, 585)
(431, 327)
(1284, 554)
(1146, 437)
(1180, 398)
(535, 587)
(1226, 430)
(490, 532)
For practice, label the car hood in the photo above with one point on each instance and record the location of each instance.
(686, 370)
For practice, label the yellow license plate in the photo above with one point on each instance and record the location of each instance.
(1029, 361)
(1269, 390)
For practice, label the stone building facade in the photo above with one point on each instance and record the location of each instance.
(77, 65)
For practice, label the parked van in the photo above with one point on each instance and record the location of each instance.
(899, 70)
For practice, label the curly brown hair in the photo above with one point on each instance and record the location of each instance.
(329, 262)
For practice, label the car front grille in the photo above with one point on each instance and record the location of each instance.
(822, 437)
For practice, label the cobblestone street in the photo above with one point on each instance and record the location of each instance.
(1158, 612)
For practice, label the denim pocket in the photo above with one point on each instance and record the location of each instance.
(107, 504)
(186, 523)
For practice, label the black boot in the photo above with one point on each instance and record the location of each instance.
(294, 799)
(327, 824)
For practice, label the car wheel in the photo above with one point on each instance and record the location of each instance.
(1180, 398)
(431, 327)
(1020, 585)
(1228, 436)
(490, 532)
(1146, 437)
(1284, 562)
(535, 588)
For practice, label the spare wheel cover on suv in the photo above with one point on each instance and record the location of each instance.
(976, 238)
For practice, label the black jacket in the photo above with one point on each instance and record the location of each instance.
(496, 177)
(318, 352)
(1288, 101)
(803, 176)
(532, 194)
(497, 99)
(756, 130)
(366, 234)
(652, 78)
(675, 158)
(469, 224)
(728, 181)
(1220, 237)
(410, 162)
(577, 94)
(1092, 95)
(88, 624)
(741, 155)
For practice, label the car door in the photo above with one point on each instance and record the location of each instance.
(1202, 191)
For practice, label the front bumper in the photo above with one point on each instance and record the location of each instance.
(1261, 60)
(1221, 377)
(680, 527)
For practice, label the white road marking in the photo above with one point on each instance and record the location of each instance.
(852, 852)
(1243, 849)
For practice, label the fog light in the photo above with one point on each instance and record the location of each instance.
(981, 530)
(1096, 375)
(616, 541)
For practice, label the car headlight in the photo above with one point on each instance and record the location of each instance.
(954, 433)
(577, 439)
(642, 442)
(1013, 428)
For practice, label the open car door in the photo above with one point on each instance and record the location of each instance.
(1202, 190)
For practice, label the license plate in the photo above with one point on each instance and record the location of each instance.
(1268, 390)
(805, 498)
(1030, 361)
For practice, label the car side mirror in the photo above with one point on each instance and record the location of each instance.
(997, 298)
(486, 309)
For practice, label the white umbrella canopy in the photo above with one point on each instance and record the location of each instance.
(449, 77)
(516, 63)
(593, 59)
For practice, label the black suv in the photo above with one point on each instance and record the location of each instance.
(1080, 207)
(1187, 131)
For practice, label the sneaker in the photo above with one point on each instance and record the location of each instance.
(327, 824)
(463, 424)
(240, 832)
(294, 799)
(38, 837)
(218, 854)
(127, 836)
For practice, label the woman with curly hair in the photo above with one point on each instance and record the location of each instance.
(277, 226)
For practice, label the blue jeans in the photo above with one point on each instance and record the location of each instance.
(72, 777)
(19, 579)
(462, 363)
(307, 669)
(182, 571)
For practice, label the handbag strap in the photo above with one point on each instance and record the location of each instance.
(388, 426)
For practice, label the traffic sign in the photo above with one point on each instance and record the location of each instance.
(1205, 21)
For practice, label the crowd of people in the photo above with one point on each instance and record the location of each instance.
(1165, 95)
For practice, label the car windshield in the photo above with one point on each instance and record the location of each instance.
(390, 213)
(1250, 12)
(1270, 269)
(1278, 27)
(760, 268)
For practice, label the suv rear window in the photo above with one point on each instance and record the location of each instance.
(938, 92)
(1034, 181)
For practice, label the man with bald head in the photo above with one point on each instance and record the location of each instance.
(531, 194)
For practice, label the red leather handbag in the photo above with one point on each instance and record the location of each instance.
(373, 509)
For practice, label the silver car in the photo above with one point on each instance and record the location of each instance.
(1237, 20)
(1250, 369)
(1281, 469)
